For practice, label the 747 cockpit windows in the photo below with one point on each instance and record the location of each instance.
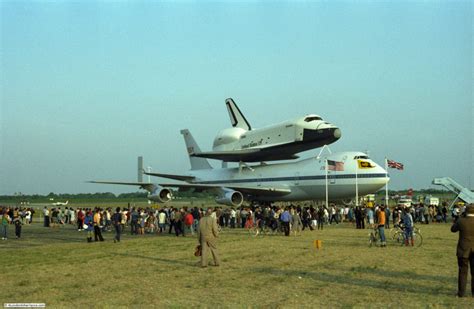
(361, 157)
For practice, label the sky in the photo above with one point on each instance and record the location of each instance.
(87, 86)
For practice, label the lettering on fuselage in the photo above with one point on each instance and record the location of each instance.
(253, 144)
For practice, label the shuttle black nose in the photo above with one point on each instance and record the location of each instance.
(337, 133)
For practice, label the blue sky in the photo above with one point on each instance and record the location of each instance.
(86, 87)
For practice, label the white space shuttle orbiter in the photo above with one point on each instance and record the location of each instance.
(280, 141)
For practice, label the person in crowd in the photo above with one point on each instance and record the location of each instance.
(381, 221)
(142, 221)
(320, 218)
(171, 219)
(465, 249)
(296, 224)
(188, 222)
(370, 217)
(243, 216)
(89, 222)
(46, 216)
(233, 217)
(407, 219)
(97, 230)
(117, 223)
(196, 216)
(27, 216)
(285, 221)
(306, 219)
(80, 219)
(178, 223)
(5, 221)
(207, 235)
(134, 217)
(125, 215)
(162, 221)
(17, 222)
(313, 215)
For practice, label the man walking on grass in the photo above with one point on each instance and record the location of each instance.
(465, 249)
(207, 235)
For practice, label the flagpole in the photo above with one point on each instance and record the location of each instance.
(386, 185)
(327, 183)
(357, 185)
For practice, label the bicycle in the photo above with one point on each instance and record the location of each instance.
(399, 236)
(374, 238)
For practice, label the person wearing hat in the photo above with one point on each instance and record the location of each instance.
(465, 249)
(207, 235)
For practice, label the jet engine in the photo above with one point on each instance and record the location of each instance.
(348, 202)
(230, 198)
(161, 195)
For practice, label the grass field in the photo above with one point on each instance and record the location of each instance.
(59, 268)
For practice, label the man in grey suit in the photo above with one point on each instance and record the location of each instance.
(207, 235)
(465, 249)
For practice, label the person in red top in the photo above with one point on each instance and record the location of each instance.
(188, 222)
(381, 225)
(80, 220)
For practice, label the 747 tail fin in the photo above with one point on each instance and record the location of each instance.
(192, 147)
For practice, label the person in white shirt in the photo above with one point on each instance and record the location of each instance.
(46, 216)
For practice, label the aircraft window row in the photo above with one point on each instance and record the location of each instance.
(314, 118)
(361, 157)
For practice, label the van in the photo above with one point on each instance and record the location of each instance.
(431, 201)
(404, 201)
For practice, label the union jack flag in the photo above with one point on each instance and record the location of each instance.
(393, 164)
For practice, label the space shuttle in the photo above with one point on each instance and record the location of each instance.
(282, 141)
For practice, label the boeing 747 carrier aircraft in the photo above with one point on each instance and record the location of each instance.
(292, 181)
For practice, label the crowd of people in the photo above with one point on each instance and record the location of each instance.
(180, 222)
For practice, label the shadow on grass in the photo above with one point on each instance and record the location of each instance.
(399, 274)
(157, 259)
(384, 284)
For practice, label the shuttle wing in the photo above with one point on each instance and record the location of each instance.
(252, 190)
(245, 155)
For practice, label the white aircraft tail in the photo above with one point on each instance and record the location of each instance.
(192, 147)
(236, 117)
(140, 169)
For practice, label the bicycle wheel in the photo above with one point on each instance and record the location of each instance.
(392, 232)
(371, 239)
(418, 239)
(399, 238)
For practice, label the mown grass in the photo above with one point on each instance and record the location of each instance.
(58, 267)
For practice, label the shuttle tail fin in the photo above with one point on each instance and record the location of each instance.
(192, 147)
(236, 117)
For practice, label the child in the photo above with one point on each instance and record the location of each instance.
(18, 225)
(89, 221)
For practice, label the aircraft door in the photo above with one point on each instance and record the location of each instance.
(297, 179)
